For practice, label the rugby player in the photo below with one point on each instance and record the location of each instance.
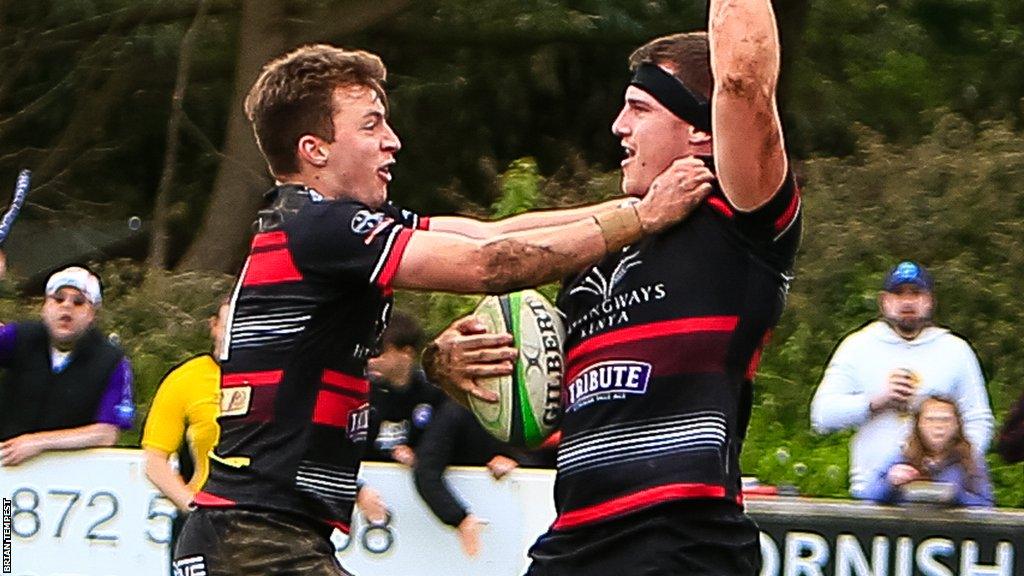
(315, 294)
(663, 337)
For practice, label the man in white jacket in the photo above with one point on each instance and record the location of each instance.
(879, 373)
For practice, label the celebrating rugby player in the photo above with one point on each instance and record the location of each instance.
(315, 294)
(648, 474)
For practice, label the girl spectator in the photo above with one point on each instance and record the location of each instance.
(936, 451)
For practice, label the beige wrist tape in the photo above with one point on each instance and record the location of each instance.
(619, 227)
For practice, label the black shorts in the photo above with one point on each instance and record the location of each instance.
(675, 539)
(230, 542)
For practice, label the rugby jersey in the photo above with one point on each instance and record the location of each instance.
(309, 308)
(662, 341)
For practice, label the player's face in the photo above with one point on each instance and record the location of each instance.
(652, 138)
(360, 158)
(937, 424)
(908, 309)
(67, 315)
(393, 365)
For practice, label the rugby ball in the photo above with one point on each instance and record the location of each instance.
(530, 400)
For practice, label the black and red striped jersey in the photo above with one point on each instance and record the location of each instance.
(307, 312)
(662, 342)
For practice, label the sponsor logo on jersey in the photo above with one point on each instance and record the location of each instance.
(359, 423)
(235, 401)
(597, 284)
(610, 380)
(365, 221)
(613, 308)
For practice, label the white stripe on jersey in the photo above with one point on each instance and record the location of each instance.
(616, 444)
(796, 214)
(384, 254)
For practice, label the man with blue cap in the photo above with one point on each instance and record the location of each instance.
(879, 373)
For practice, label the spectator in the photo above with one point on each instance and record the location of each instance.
(878, 373)
(1011, 438)
(185, 407)
(456, 438)
(65, 386)
(403, 400)
(936, 450)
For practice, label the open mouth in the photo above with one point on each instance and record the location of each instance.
(628, 153)
(384, 171)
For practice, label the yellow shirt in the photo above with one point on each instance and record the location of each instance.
(189, 396)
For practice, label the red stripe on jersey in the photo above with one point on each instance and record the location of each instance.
(332, 408)
(424, 223)
(755, 360)
(787, 217)
(721, 205)
(636, 501)
(387, 274)
(210, 500)
(675, 354)
(357, 386)
(339, 525)
(264, 378)
(271, 267)
(653, 330)
(553, 441)
(269, 239)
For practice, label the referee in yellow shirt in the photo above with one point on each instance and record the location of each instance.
(186, 406)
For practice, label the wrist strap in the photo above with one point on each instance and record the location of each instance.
(620, 227)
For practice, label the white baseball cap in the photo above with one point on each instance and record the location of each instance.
(79, 278)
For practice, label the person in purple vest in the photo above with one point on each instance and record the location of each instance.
(648, 475)
(64, 385)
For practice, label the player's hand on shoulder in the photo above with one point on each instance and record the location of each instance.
(674, 194)
(464, 352)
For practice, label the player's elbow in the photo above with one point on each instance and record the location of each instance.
(747, 83)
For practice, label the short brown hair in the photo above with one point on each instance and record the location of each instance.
(294, 94)
(687, 53)
(403, 331)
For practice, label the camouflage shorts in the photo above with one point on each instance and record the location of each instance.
(230, 542)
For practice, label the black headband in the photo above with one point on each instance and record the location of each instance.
(674, 95)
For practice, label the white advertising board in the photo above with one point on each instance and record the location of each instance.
(517, 509)
(93, 513)
(90, 513)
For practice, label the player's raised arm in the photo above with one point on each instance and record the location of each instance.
(457, 263)
(750, 152)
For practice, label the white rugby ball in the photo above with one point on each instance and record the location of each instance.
(530, 400)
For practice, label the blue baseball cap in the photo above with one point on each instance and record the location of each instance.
(908, 272)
